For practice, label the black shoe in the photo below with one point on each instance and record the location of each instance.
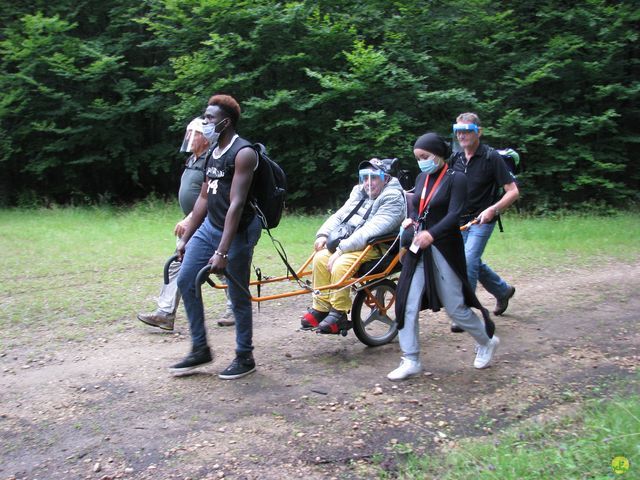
(195, 359)
(242, 365)
(456, 329)
(502, 304)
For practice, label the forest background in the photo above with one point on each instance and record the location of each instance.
(96, 94)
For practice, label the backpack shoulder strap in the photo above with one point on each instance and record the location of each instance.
(238, 145)
(353, 212)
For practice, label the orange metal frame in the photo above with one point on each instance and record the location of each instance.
(347, 279)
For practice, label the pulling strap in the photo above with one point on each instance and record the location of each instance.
(283, 256)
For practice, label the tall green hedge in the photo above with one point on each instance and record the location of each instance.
(96, 94)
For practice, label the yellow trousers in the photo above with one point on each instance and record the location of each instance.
(338, 299)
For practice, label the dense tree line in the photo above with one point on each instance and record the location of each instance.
(95, 95)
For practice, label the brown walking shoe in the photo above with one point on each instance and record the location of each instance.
(158, 319)
(227, 319)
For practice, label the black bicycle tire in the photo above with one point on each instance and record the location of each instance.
(356, 317)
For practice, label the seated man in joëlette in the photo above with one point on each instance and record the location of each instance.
(375, 207)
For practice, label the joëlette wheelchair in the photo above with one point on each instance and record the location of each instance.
(373, 285)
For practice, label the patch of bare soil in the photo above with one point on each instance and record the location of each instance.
(319, 407)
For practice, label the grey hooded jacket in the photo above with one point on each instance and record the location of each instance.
(387, 213)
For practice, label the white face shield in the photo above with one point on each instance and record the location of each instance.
(194, 126)
(371, 181)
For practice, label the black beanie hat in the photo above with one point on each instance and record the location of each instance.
(434, 143)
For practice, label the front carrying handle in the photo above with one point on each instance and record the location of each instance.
(204, 276)
(201, 277)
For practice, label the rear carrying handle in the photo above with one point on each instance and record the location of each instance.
(172, 259)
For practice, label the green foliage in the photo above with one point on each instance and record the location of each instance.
(75, 114)
(95, 95)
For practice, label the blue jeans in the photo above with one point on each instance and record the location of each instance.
(475, 240)
(199, 250)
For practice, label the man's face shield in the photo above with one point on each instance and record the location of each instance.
(371, 181)
(187, 143)
(465, 128)
(190, 135)
(464, 134)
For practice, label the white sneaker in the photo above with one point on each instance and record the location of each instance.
(485, 353)
(407, 368)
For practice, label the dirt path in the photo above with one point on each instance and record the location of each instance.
(318, 407)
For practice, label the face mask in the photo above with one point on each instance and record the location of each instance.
(429, 165)
(209, 132)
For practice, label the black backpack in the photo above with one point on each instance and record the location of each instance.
(269, 189)
(511, 158)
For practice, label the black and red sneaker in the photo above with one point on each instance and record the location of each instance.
(312, 318)
(336, 322)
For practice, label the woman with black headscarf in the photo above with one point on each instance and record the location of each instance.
(434, 272)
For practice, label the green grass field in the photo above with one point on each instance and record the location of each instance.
(94, 266)
(580, 446)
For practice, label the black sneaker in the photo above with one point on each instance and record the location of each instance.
(456, 328)
(503, 303)
(195, 359)
(242, 365)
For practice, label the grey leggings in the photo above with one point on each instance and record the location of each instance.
(449, 288)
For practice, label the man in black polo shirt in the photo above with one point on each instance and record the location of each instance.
(486, 172)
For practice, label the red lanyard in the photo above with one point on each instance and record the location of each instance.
(425, 202)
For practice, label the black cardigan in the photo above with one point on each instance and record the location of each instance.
(442, 223)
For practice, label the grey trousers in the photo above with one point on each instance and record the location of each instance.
(449, 288)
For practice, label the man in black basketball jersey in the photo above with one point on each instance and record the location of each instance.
(222, 232)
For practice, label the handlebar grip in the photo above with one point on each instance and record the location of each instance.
(167, 264)
(466, 226)
(203, 276)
